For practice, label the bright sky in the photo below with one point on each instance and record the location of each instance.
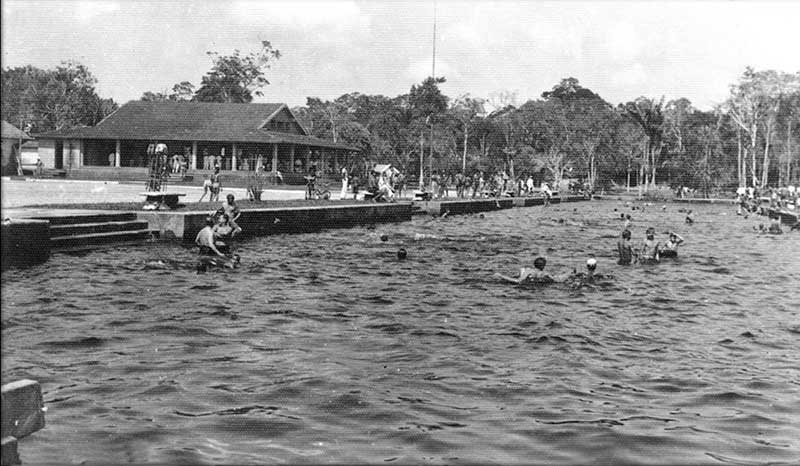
(621, 50)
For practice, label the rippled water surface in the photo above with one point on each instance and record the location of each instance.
(325, 348)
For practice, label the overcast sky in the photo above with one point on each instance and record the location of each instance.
(620, 50)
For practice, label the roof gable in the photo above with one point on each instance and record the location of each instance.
(138, 117)
(10, 131)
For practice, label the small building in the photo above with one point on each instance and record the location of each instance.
(235, 137)
(11, 137)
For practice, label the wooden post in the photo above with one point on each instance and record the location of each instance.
(118, 155)
(275, 157)
(194, 155)
(291, 160)
(233, 157)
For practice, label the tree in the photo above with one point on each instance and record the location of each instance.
(53, 99)
(587, 119)
(465, 110)
(236, 78)
(648, 114)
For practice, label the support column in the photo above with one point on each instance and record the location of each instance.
(118, 155)
(308, 159)
(274, 157)
(291, 160)
(194, 155)
(233, 157)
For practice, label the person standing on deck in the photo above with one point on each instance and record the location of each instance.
(216, 186)
(345, 179)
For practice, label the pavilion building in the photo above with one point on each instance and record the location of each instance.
(236, 137)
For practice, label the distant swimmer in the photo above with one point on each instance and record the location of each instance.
(625, 248)
(689, 218)
(670, 248)
(402, 254)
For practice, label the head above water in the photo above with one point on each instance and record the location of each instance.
(626, 234)
(650, 233)
(402, 254)
(591, 263)
(539, 263)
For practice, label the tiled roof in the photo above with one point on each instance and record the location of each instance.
(191, 121)
(10, 131)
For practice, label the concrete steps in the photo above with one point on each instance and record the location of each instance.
(76, 232)
(88, 218)
(89, 240)
(77, 229)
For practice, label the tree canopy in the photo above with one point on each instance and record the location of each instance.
(46, 100)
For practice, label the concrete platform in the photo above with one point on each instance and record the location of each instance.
(271, 221)
(704, 201)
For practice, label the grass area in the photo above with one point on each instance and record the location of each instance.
(199, 206)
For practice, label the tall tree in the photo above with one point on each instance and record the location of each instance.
(649, 115)
(465, 110)
(236, 78)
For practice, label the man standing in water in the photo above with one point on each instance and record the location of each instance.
(624, 248)
(205, 239)
(650, 247)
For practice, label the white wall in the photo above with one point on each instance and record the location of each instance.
(47, 152)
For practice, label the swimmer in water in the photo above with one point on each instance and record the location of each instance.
(402, 254)
(649, 251)
(590, 276)
(689, 219)
(775, 227)
(670, 248)
(535, 274)
(625, 248)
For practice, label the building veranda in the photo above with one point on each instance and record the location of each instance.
(235, 137)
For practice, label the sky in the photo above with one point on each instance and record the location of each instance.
(620, 50)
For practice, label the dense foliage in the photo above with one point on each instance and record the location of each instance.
(45, 100)
(571, 132)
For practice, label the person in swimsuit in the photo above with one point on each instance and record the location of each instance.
(230, 209)
(670, 248)
(649, 251)
(205, 240)
(216, 186)
(206, 188)
(625, 249)
(535, 275)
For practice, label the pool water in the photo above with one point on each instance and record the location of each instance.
(326, 348)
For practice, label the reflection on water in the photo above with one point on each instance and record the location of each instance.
(325, 347)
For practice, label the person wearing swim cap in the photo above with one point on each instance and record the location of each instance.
(591, 266)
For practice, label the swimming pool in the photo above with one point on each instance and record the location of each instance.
(325, 348)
